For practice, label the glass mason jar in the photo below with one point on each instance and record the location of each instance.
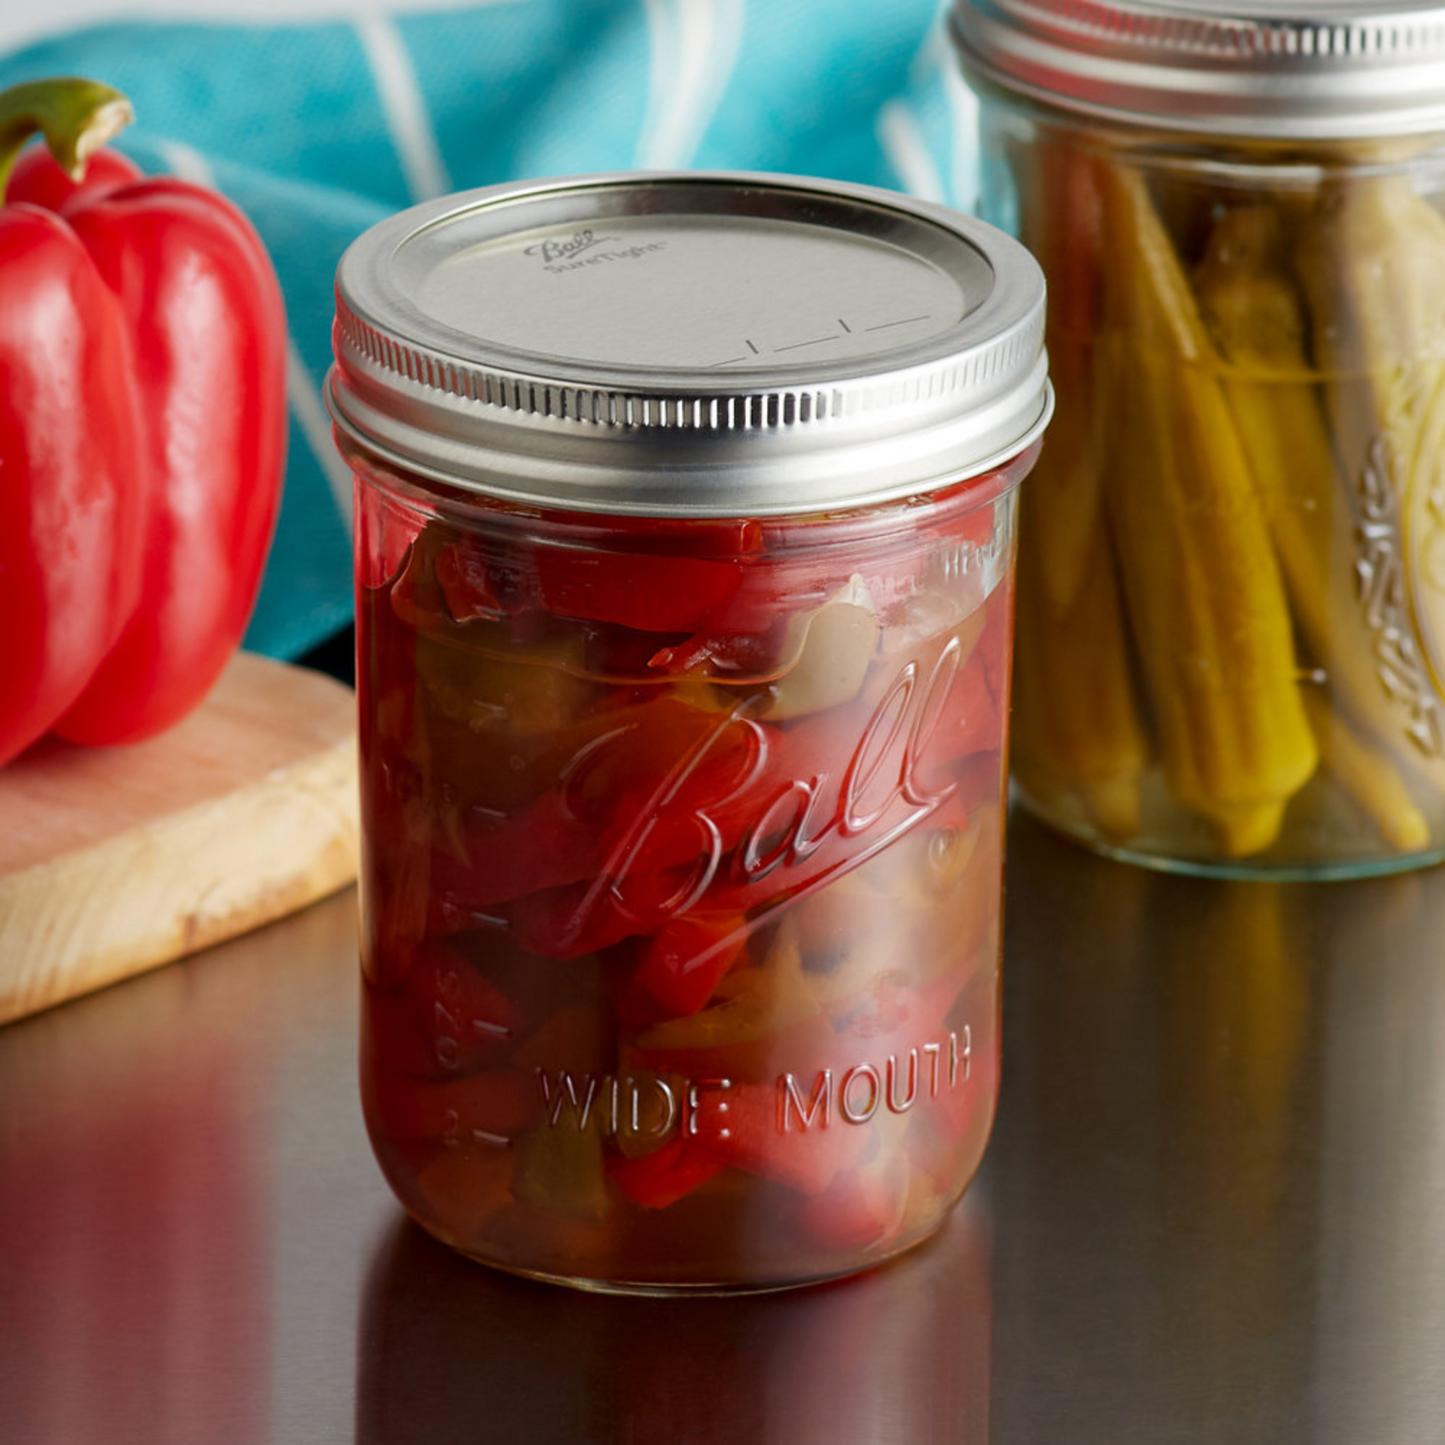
(1231, 613)
(685, 519)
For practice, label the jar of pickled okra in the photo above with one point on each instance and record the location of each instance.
(685, 540)
(1231, 650)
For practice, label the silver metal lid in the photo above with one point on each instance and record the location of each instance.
(696, 344)
(1273, 69)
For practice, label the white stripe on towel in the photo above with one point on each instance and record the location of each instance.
(903, 144)
(402, 102)
(302, 393)
(963, 110)
(695, 45)
(936, 58)
(187, 163)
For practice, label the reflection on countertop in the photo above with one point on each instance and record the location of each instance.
(1213, 1211)
(1218, 1184)
(898, 1354)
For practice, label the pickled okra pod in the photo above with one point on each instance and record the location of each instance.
(1096, 745)
(1256, 316)
(1364, 771)
(1205, 596)
(1072, 634)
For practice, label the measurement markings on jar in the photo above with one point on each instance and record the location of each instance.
(455, 1134)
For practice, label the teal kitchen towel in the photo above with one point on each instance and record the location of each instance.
(319, 129)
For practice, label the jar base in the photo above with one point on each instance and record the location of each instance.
(653, 1289)
(1248, 870)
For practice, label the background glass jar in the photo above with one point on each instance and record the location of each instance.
(683, 810)
(1232, 571)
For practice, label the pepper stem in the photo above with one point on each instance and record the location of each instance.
(75, 116)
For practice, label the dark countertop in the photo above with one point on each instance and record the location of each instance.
(1213, 1211)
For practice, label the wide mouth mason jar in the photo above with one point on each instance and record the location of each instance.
(685, 540)
(1231, 634)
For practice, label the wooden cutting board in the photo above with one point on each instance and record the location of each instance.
(114, 860)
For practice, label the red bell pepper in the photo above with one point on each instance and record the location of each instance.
(142, 427)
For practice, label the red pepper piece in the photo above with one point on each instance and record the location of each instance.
(637, 850)
(722, 656)
(668, 847)
(682, 963)
(946, 1122)
(542, 848)
(892, 1016)
(652, 589)
(656, 799)
(658, 1180)
(977, 1083)
(637, 590)
(465, 582)
(830, 855)
(973, 721)
(750, 1050)
(632, 782)
(804, 800)
(747, 1137)
(861, 1208)
(975, 527)
(768, 589)
(724, 538)
(567, 922)
(645, 790)
(784, 585)
(585, 917)
(839, 787)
